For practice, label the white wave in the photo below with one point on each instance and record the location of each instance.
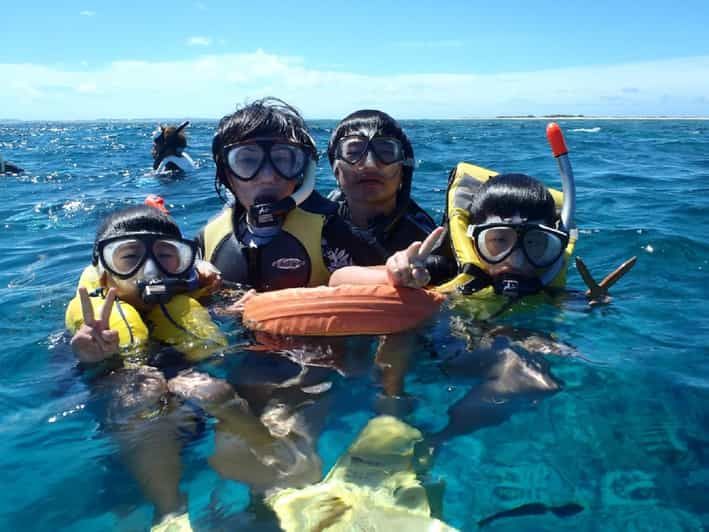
(586, 130)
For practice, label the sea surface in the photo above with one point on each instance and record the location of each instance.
(623, 445)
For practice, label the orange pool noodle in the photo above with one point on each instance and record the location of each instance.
(341, 310)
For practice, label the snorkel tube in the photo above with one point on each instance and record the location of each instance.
(568, 209)
(561, 152)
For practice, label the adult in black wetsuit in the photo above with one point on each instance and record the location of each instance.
(373, 162)
(279, 232)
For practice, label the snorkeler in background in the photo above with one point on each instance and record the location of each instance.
(9, 168)
(373, 162)
(168, 151)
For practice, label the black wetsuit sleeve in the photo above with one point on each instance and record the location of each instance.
(441, 269)
(342, 245)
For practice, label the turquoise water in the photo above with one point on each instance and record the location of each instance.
(626, 437)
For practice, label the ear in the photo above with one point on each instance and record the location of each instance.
(337, 172)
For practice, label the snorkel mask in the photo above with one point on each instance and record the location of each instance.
(291, 161)
(541, 246)
(165, 263)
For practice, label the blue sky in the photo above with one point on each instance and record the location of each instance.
(85, 60)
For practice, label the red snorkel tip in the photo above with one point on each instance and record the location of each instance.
(153, 200)
(556, 140)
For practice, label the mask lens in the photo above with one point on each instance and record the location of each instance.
(245, 160)
(351, 149)
(288, 160)
(542, 247)
(388, 150)
(173, 256)
(123, 257)
(495, 243)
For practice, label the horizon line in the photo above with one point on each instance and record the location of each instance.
(498, 117)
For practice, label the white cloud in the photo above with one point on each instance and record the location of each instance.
(87, 13)
(87, 88)
(199, 41)
(211, 85)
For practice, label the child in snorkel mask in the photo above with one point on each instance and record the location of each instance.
(141, 262)
(278, 232)
(513, 232)
(135, 292)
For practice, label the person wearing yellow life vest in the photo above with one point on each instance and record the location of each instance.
(278, 232)
(135, 293)
(515, 239)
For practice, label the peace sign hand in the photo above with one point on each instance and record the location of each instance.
(95, 341)
(408, 267)
(597, 293)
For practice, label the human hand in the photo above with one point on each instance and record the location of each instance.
(237, 308)
(597, 293)
(95, 341)
(210, 278)
(407, 267)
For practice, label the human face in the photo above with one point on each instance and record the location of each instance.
(368, 181)
(127, 289)
(517, 247)
(124, 255)
(130, 258)
(267, 182)
(245, 159)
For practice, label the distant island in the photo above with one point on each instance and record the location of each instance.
(599, 117)
(542, 116)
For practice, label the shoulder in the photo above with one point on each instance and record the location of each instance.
(317, 203)
(420, 217)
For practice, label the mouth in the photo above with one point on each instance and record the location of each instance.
(368, 179)
(506, 270)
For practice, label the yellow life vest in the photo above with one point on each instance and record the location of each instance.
(182, 323)
(305, 226)
(462, 185)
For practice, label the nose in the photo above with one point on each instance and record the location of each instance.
(150, 269)
(517, 259)
(267, 173)
(368, 159)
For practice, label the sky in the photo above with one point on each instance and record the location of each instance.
(83, 60)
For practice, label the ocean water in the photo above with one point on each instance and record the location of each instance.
(625, 439)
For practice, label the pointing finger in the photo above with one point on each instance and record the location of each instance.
(107, 307)
(616, 274)
(430, 243)
(87, 311)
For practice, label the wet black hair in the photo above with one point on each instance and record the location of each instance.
(267, 117)
(138, 219)
(505, 195)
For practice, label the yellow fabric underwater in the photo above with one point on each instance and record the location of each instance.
(371, 487)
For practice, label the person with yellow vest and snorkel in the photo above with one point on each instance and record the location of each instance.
(137, 331)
